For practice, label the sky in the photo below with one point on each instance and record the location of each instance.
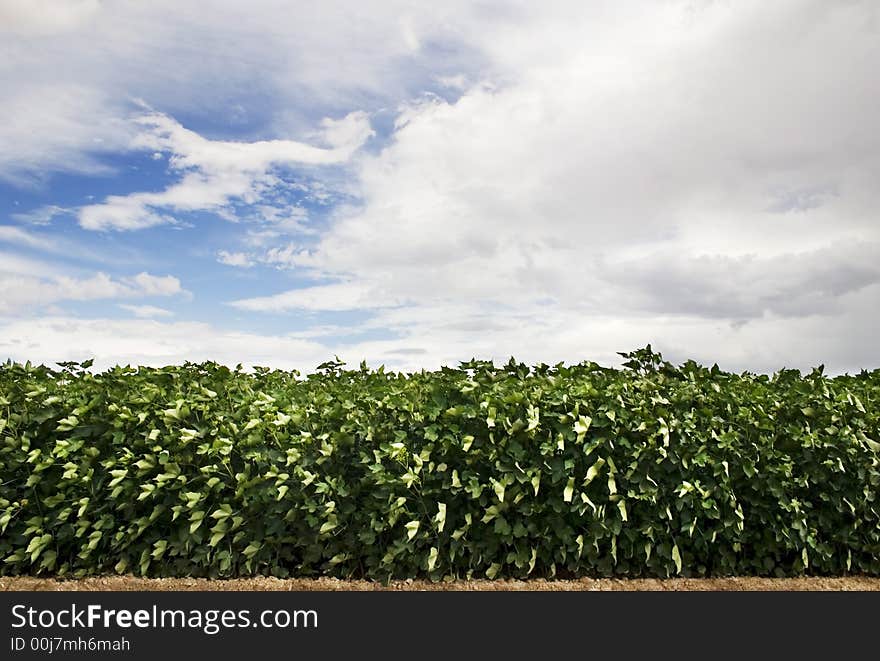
(415, 184)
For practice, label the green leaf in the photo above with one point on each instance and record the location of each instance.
(873, 445)
(676, 558)
(440, 518)
(568, 491)
(498, 487)
(582, 426)
(594, 471)
(159, 549)
(411, 529)
(612, 485)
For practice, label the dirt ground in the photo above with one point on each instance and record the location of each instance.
(131, 583)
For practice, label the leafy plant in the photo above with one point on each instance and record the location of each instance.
(484, 470)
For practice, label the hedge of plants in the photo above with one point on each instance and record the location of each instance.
(480, 471)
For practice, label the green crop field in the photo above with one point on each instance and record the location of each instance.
(487, 471)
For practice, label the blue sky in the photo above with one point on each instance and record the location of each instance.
(415, 185)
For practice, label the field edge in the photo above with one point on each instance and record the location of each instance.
(324, 584)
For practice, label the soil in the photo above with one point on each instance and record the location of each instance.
(135, 584)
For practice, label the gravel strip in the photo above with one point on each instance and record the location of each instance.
(135, 584)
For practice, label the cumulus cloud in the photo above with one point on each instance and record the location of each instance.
(558, 180)
(712, 163)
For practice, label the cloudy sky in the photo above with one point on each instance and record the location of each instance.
(415, 183)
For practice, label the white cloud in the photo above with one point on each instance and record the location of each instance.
(123, 212)
(149, 342)
(274, 224)
(26, 284)
(41, 215)
(746, 287)
(155, 285)
(179, 58)
(17, 235)
(288, 255)
(63, 248)
(629, 168)
(445, 335)
(457, 82)
(146, 311)
(11, 263)
(42, 17)
(239, 259)
(700, 175)
(347, 133)
(213, 172)
(56, 126)
(20, 292)
(334, 297)
(189, 150)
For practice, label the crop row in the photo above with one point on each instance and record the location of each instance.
(483, 470)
